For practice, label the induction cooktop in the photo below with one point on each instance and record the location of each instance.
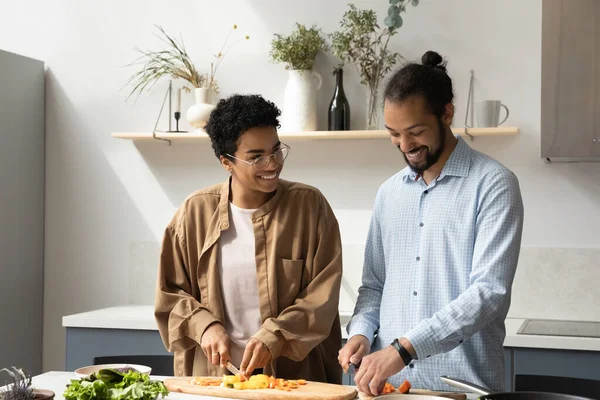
(548, 327)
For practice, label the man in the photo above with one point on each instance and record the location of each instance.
(250, 269)
(441, 252)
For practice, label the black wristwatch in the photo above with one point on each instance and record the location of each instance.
(404, 354)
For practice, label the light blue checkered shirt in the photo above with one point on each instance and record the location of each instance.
(438, 269)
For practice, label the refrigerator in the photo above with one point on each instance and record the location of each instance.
(21, 211)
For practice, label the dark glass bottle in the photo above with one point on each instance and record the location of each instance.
(339, 108)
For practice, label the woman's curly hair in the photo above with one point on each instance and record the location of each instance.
(235, 115)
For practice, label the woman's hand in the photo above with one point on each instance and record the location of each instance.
(256, 355)
(215, 344)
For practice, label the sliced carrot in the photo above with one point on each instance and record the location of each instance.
(388, 388)
(405, 387)
(206, 381)
(270, 383)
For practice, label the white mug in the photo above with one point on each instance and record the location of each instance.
(488, 113)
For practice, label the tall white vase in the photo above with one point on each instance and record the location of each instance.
(300, 101)
(198, 114)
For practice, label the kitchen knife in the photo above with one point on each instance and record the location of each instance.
(352, 368)
(233, 369)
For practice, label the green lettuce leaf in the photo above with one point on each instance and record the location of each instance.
(109, 384)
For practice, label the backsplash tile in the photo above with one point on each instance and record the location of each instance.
(557, 283)
(352, 258)
(550, 283)
(143, 256)
(144, 267)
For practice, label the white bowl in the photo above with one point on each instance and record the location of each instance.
(85, 371)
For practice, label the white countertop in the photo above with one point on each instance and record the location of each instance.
(137, 318)
(57, 382)
(124, 317)
(142, 318)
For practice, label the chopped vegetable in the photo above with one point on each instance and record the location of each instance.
(112, 384)
(405, 387)
(206, 381)
(259, 381)
(388, 388)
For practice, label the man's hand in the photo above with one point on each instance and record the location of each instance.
(215, 344)
(353, 352)
(376, 368)
(256, 355)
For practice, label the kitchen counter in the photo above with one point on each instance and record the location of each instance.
(136, 318)
(58, 380)
(142, 318)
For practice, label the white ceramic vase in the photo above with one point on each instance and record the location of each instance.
(198, 114)
(300, 101)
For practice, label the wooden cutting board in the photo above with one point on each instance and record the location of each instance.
(310, 391)
(423, 392)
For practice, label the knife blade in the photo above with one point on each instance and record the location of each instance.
(233, 369)
(352, 368)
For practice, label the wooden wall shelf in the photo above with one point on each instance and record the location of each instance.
(327, 135)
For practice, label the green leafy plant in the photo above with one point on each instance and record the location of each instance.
(20, 385)
(113, 384)
(394, 19)
(364, 43)
(299, 49)
(173, 61)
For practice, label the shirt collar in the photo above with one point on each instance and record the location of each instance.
(261, 211)
(458, 163)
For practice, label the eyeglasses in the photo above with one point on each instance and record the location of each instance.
(263, 162)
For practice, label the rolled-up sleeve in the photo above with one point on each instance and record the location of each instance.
(181, 317)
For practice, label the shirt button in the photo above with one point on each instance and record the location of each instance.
(415, 293)
(418, 258)
(421, 224)
(425, 192)
(225, 225)
(411, 365)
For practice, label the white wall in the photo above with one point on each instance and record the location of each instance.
(108, 200)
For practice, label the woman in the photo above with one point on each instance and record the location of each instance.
(250, 269)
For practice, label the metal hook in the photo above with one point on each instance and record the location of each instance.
(160, 112)
(468, 106)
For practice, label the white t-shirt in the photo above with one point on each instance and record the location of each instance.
(237, 269)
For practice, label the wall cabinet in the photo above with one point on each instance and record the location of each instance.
(570, 99)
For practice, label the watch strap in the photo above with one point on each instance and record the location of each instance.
(404, 354)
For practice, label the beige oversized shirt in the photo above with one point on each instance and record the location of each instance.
(299, 271)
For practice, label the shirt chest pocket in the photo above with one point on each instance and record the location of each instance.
(289, 281)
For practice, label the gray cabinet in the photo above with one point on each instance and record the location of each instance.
(570, 99)
(83, 344)
(550, 362)
(21, 211)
